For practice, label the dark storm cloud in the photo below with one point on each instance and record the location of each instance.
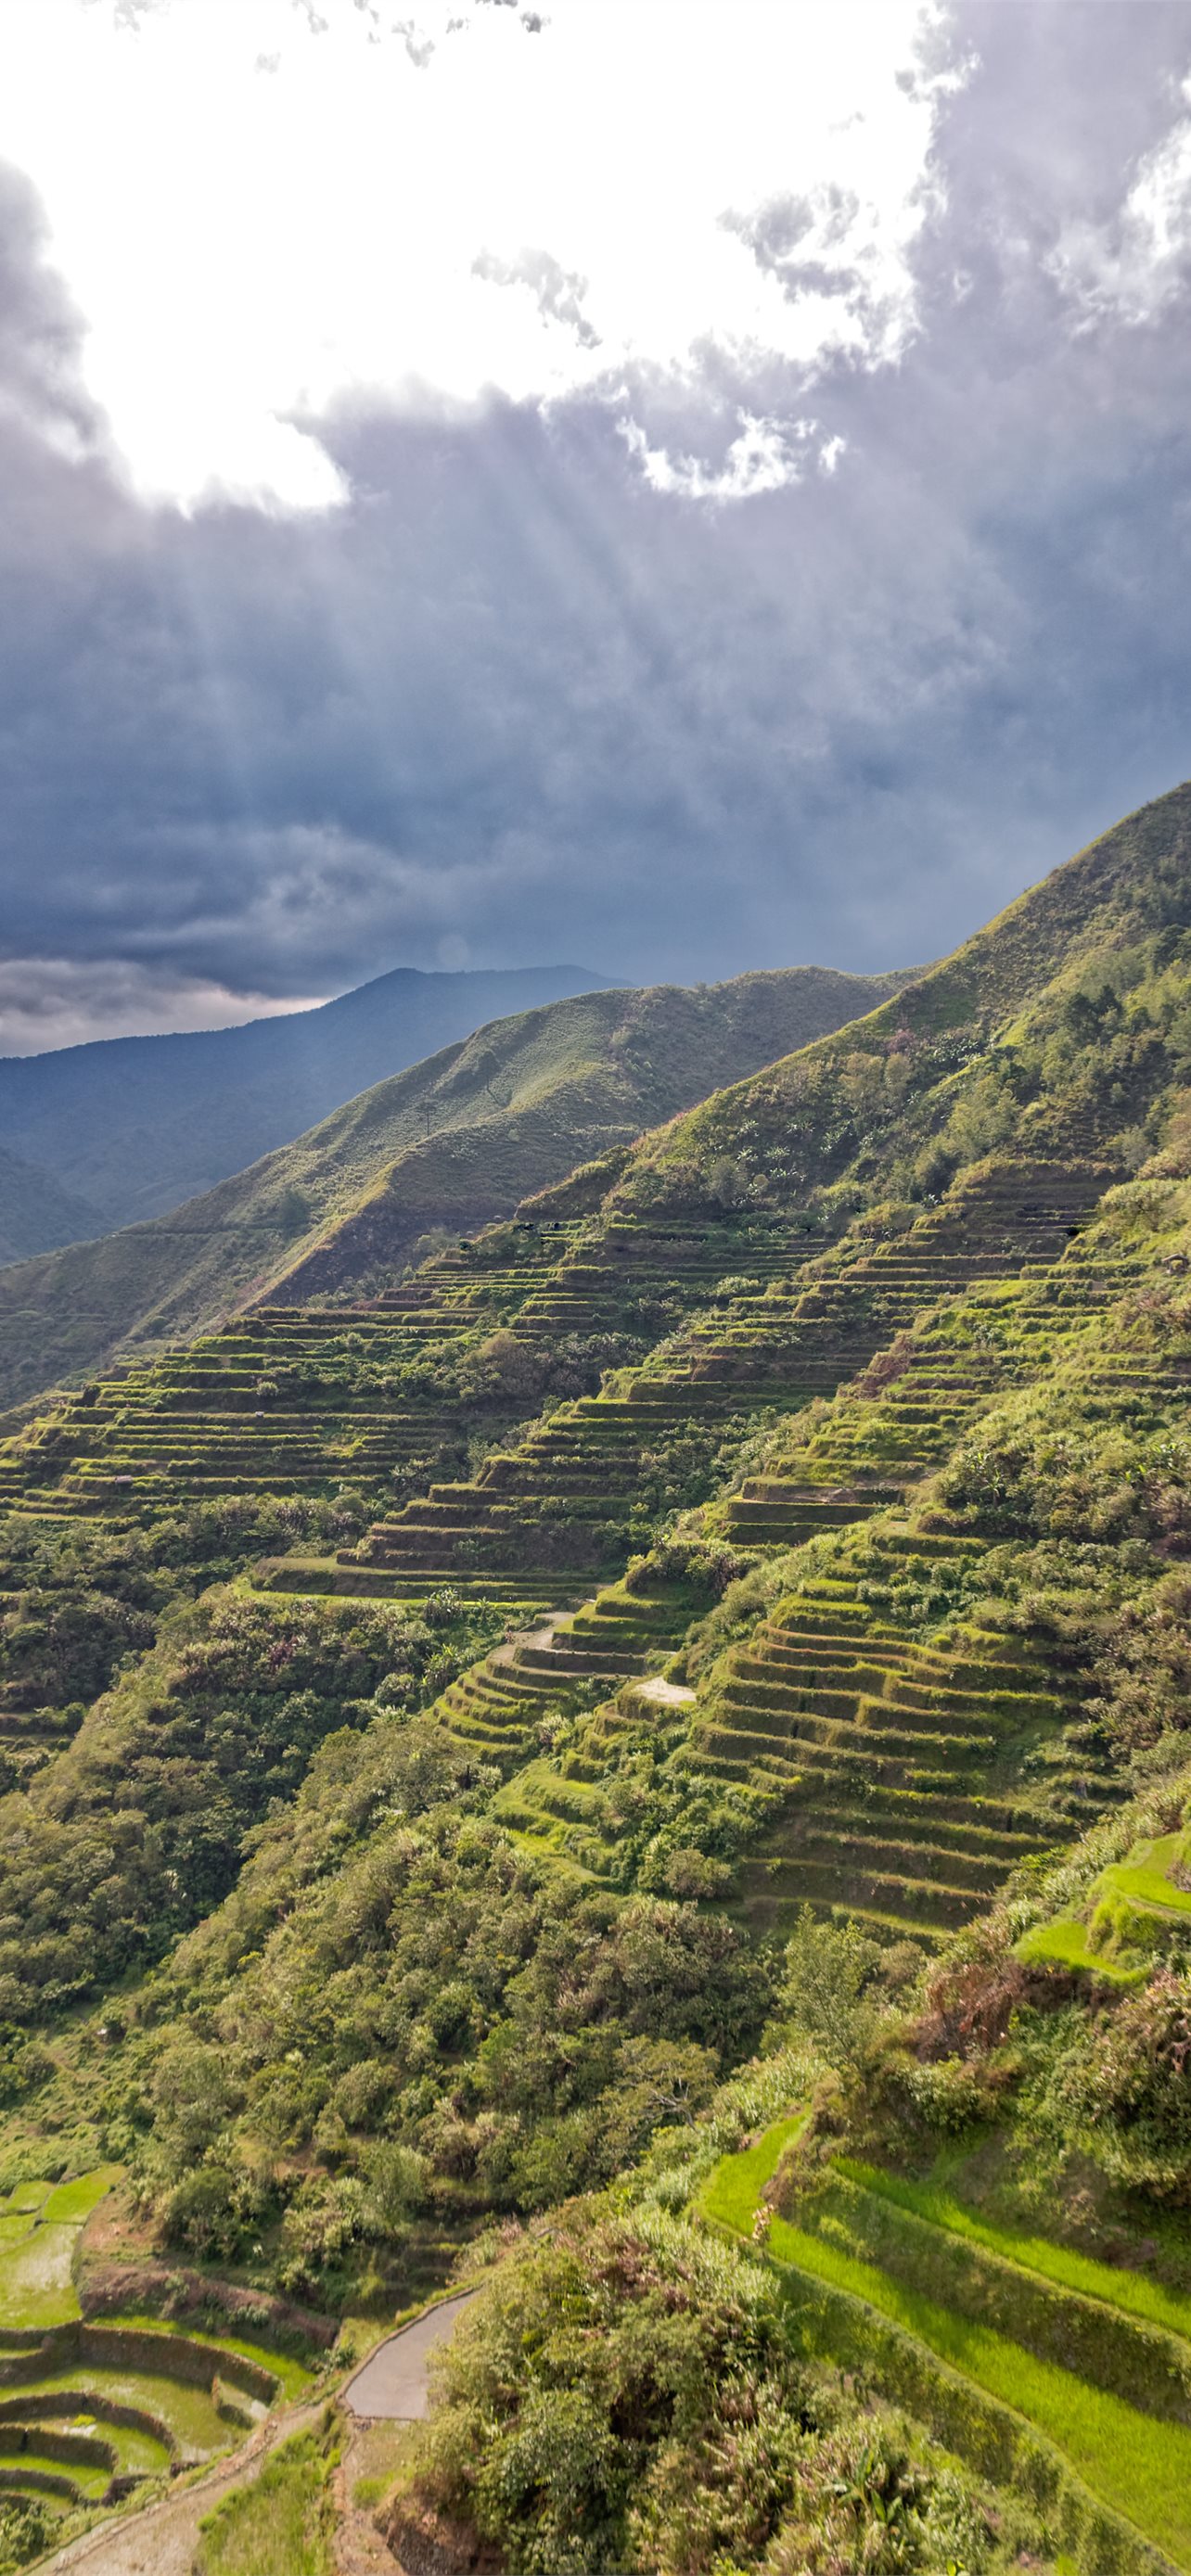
(512, 705)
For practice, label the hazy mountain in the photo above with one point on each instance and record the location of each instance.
(36, 1212)
(132, 1126)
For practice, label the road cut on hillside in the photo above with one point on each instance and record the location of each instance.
(392, 2383)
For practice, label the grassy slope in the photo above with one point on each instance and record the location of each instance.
(279, 2525)
(135, 1125)
(1060, 2263)
(452, 1142)
(1134, 879)
(1140, 2467)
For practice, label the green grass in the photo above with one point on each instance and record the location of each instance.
(732, 2192)
(90, 2479)
(1136, 2465)
(36, 2285)
(279, 2526)
(137, 2454)
(1144, 1875)
(380, 2452)
(293, 2377)
(1140, 2467)
(188, 2413)
(1145, 1887)
(1129, 2291)
(72, 2202)
(37, 2256)
(1141, 1882)
(1065, 1941)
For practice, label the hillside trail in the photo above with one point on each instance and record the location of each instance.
(541, 1636)
(390, 2387)
(162, 2541)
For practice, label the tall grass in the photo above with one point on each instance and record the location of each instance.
(279, 2526)
(1135, 2464)
(1059, 2263)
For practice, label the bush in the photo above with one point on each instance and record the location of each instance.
(27, 2528)
(825, 1997)
(1137, 2086)
(622, 2397)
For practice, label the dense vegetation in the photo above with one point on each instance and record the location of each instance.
(653, 1769)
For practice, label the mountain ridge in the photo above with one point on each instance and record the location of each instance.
(450, 1143)
(135, 1125)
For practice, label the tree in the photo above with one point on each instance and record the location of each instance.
(825, 1998)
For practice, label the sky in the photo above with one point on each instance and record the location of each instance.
(666, 486)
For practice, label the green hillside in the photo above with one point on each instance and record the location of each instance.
(132, 1126)
(649, 1763)
(452, 1143)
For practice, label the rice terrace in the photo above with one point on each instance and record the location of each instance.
(595, 1513)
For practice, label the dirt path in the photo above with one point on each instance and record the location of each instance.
(163, 2539)
(543, 1636)
(390, 2387)
(359, 2549)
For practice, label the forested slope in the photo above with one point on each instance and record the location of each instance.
(653, 1758)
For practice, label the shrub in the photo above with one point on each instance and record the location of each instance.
(623, 2396)
(1137, 2086)
(825, 1998)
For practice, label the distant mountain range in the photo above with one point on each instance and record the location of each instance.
(450, 1142)
(126, 1128)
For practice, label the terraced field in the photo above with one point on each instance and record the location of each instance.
(92, 2406)
(304, 1399)
(1132, 1909)
(1038, 2368)
(906, 1775)
(805, 1616)
(264, 1407)
(795, 1331)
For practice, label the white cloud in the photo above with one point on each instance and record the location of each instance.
(1131, 269)
(266, 212)
(766, 456)
(63, 1001)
